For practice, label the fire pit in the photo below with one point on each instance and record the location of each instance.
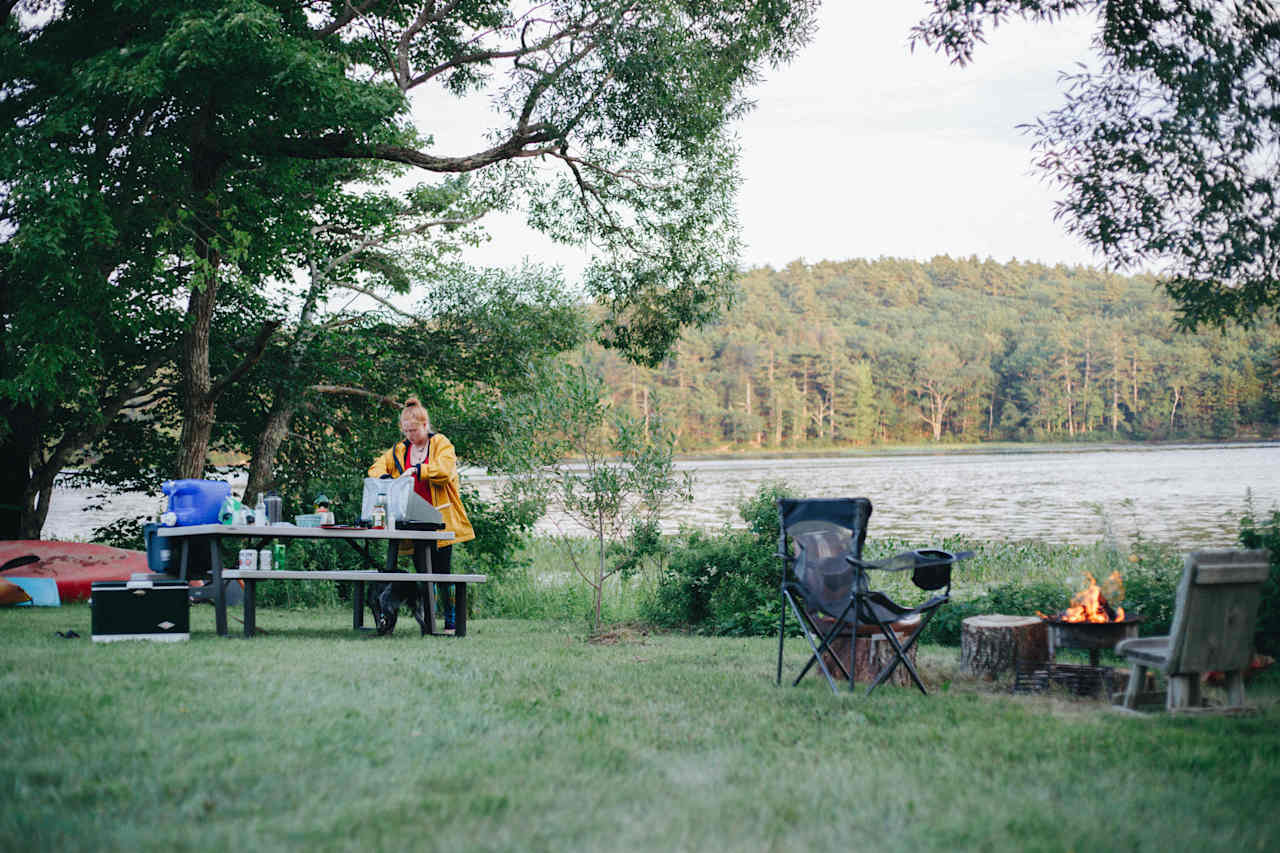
(1091, 636)
(1091, 623)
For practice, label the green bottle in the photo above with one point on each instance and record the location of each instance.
(277, 557)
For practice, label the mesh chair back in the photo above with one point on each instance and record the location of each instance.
(819, 534)
(821, 569)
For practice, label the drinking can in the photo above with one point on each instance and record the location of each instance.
(248, 559)
(264, 559)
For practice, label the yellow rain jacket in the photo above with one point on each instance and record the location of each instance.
(441, 476)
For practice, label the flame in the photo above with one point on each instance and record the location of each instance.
(1091, 604)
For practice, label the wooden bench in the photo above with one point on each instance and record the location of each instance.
(1213, 622)
(461, 582)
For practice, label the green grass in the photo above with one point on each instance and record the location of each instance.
(523, 736)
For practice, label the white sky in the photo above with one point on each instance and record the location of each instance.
(861, 149)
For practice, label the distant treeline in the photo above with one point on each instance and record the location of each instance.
(862, 352)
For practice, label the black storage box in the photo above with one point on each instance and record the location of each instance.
(140, 610)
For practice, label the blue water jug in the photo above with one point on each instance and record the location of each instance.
(159, 554)
(195, 501)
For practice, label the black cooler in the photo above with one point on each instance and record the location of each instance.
(140, 610)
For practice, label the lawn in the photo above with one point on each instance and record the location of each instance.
(523, 736)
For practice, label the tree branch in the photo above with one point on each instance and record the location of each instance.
(407, 232)
(251, 358)
(355, 392)
(342, 146)
(349, 14)
(376, 298)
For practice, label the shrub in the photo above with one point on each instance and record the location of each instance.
(724, 582)
(1266, 535)
(1012, 598)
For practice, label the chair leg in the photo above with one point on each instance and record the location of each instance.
(782, 631)
(853, 649)
(1137, 678)
(900, 653)
(1184, 692)
(900, 656)
(817, 655)
(1235, 688)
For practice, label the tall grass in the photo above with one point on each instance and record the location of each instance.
(547, 588)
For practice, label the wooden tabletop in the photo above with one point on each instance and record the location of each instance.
(289, 531)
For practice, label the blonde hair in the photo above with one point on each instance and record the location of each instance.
(415, 411)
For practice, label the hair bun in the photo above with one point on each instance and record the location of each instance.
(411, 402)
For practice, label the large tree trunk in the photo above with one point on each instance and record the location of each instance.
(262, 465)
(16, 446)
(198, 408)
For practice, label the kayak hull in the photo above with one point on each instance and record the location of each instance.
(74, 566)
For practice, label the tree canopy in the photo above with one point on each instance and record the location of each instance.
(1167, 152)
(855, 353)
(165, 168)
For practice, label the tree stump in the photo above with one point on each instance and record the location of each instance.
(992, 644)
(872, 654)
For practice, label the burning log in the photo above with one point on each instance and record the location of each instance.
(1091, 605)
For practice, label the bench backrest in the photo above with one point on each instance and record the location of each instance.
(1216, 611)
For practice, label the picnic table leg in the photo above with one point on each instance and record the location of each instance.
(460, 614)
(358, 592)
(250, 607)
(422, 565)
(219, 592)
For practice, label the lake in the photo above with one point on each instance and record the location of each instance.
(1192, 495)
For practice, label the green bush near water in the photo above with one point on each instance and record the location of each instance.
(1266, 534)
(727, 582)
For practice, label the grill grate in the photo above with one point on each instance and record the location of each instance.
(1080, 680)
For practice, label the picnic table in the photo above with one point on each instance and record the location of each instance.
(361, 539)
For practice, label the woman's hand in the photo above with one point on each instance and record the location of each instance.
(411, 471)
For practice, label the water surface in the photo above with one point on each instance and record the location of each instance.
(1191, 495)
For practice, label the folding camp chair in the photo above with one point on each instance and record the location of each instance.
(814, 538)
(931, 572)
(820, 544)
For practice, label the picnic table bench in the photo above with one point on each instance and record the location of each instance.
(252, 576)
(209, 536)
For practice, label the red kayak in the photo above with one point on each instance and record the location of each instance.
(74, 566)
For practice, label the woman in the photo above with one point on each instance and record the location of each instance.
(429, 458)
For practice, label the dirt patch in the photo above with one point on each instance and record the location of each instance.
(619, 635)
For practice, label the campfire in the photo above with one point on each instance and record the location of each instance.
(1093, 603)
(1092, 622)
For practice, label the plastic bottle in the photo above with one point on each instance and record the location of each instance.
(164, 516)
(260, 512)
(380, 512)
(273, 508)
(277, 556)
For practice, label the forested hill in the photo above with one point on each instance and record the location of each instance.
(859, 352)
